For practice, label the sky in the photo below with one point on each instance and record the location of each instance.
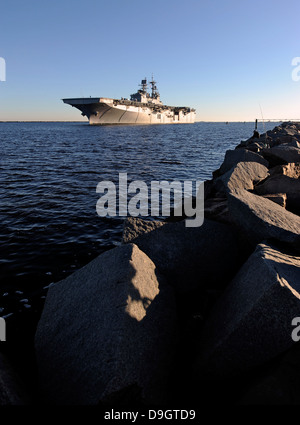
(231, 60)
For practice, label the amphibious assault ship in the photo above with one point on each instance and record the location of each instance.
(142, 108)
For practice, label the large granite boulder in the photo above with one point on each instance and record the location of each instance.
(190, 258)
(106, 333)
(282, 154)
(233, 157)
(260, 219)
(242, 176)
(251, 322)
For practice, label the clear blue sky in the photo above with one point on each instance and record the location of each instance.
(225, 58)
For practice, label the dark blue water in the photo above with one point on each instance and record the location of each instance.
(49, 172)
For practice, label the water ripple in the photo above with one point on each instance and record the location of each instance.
(49, 173)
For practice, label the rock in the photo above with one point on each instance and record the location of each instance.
(294, 143)
(241, 176)
(261, 219)
(251, 322)
(217, 209)
(107, 332)
(291, 170)
(134, 227)
(205, 256)
(286, 139)
(278, 198)
(282, 154)
(12, 390)
(268, 391)
(286, 133)
(208, 189)
(233, 157)
(282, 184)
(280, 385)
(256, 146)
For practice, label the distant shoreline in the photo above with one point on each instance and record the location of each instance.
(86, 122)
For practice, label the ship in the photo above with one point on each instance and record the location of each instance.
(142, 108)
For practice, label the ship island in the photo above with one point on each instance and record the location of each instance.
(142, 108)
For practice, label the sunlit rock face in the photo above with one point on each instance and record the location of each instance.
(260, 219)
(241, 176)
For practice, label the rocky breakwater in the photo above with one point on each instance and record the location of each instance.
(197, 315)
(247, 336)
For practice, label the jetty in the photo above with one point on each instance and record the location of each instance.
(179, 316)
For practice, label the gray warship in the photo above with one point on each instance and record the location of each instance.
(142, 108)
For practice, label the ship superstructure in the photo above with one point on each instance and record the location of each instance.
(142, 108)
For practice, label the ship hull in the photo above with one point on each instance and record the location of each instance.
(100, 111)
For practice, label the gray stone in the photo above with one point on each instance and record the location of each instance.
(233, 157)
(294, 143)
(208, 189)
(262, 219)
(242, 176)
(217, 209)
(12, 389)
(286, 139)
(257, 146)
(286, 133)
(282, 154)
(251, 322)
(189, 257)
(106, 330)
(276, 184)
(134, 227)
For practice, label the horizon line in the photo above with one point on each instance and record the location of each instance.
(86, 122)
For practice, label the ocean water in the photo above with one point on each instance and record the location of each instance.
(49, 172)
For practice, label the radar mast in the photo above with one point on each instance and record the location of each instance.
(154, 90)
(144, 85)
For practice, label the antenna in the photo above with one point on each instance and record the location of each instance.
(154, 91)
(144, 85)
(263, 122)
